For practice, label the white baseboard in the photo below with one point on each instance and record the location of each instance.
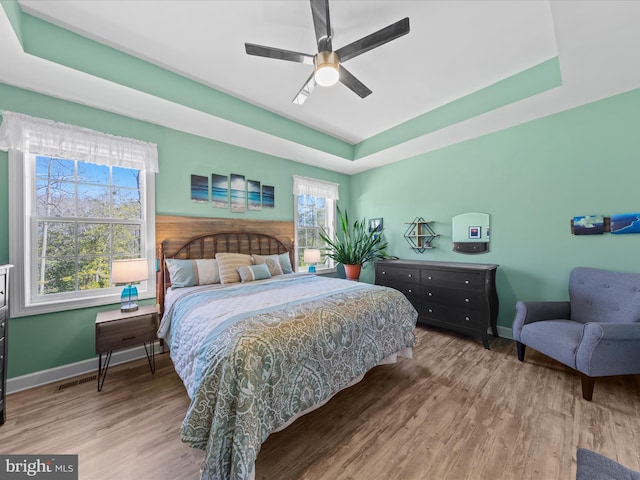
(56, 374)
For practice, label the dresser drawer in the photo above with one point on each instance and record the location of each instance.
(2, 362)
(465, 299)
(3, 322)
(451, 316)
(467, 280)
(125, 333)
(3, 290)
(390, 276)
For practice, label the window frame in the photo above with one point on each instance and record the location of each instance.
(23, 244)
(329, 265)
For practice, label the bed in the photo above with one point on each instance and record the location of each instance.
(258, 350)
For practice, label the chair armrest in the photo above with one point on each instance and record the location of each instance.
(609, 349)
(529, 312)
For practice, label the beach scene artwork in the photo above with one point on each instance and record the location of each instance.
(268, 196)
(625, 223)
(220, 190)
(199, 189)
(588, 225)
(238, 193)
(253, 195)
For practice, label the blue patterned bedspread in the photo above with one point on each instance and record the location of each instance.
(254, 355)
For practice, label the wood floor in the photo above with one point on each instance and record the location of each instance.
(456, 411)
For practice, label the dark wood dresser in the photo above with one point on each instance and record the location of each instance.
(4, 328)
(458, 296)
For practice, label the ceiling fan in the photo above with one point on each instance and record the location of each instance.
(328, 66)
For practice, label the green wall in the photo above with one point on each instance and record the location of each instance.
(532, 179)
(46, 341)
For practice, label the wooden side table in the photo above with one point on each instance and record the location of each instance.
(116, 330)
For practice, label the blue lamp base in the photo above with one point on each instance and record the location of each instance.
(129, 299)
(312, 269)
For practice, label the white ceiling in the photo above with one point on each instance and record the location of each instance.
(454, 48)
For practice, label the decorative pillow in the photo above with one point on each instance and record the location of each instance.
(285, 263)
(228, 264)
(271, 261)
(254, 272)
(188, 273)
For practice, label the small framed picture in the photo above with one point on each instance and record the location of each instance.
(375, 225)
(475, 232)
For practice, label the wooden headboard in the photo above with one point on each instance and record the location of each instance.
(196, 237)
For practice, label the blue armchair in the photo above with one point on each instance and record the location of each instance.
(596, 332)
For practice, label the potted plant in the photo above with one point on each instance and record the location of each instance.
(354, 245)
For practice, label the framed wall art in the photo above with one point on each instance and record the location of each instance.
(220, 190)
(238, 193)
(199, 189)
(268, 196)
(253, 195)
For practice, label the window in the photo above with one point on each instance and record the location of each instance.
(73, 211)
(86, 215)
(315, 202)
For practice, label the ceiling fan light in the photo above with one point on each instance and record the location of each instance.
(327, 66)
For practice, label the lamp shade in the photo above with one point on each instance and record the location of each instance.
(312, 255)
(129, 271)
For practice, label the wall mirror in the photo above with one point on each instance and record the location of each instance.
(471, 233)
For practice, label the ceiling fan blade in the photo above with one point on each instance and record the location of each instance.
(322, 24)
(278, 53)
(306, 90)
(374, 40)
(353, 83)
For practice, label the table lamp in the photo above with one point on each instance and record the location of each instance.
(312, 256)
(129, 271)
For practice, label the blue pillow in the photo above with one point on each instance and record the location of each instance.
(187, 273)
(285, 263)
(254, 272)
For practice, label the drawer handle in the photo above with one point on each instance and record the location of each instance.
(384, 273)
(410, 291)
(410, 275)
(431, 310)
(467, 300)
(429, 277)
(467, 318)
(127, 338)
(467, 282)
(430, 294)
(2, 325)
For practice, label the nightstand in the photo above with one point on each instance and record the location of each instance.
(116, 330)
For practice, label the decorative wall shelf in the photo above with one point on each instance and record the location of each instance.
(420, 234)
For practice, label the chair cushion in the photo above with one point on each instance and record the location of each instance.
(559, 339)
(603, 296)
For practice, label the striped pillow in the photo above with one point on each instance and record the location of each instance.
(254, 272)
(228, 264)
(271, 261)
(188, 273)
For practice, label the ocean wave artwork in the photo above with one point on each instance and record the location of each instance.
(588, 225)
(238, 193)
(253, 195)
(625, 223)
(268, 196)
(220, 190)
(199, 189)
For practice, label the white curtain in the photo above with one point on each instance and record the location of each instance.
(45, 137)
(315, 187)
